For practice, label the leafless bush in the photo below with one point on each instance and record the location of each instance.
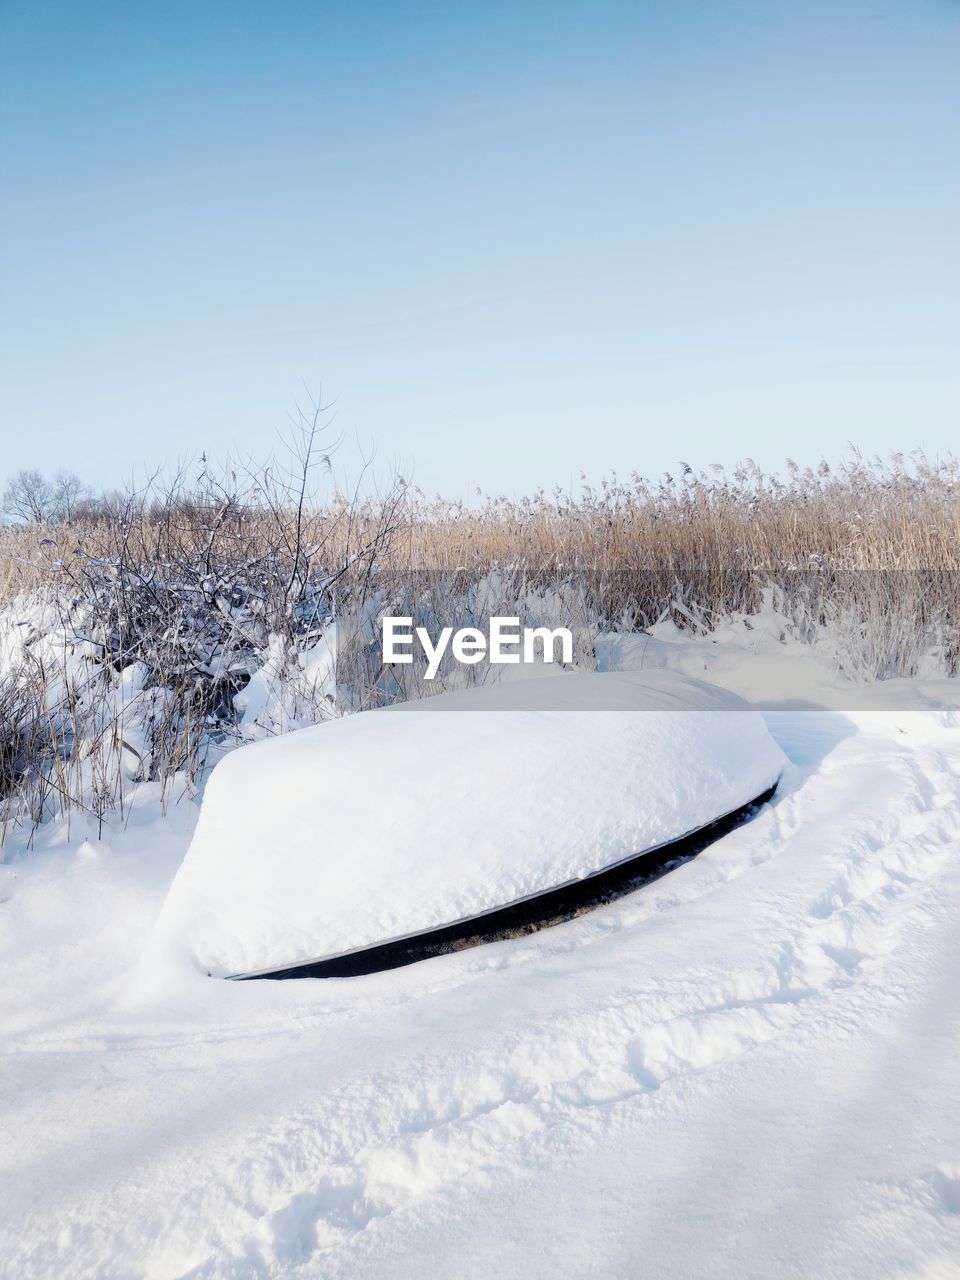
(157, 614)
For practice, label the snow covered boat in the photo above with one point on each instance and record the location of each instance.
(334, 843)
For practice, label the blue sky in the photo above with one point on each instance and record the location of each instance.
(515, 241)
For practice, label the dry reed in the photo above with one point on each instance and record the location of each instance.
(190, 584)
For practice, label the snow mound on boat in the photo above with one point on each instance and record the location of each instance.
(393, 822)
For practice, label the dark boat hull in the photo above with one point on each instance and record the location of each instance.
(528, 915)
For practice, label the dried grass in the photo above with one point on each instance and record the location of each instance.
(190, 585)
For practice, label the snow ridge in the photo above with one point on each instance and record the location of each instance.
(395, 1103)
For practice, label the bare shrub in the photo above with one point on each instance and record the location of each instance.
(144, 625)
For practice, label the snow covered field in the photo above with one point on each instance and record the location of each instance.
(745, 1069)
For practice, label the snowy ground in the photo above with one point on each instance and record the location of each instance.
(746, 1069)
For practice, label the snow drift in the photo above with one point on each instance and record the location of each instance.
(394, 822)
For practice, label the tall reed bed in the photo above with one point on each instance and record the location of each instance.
(161, 626)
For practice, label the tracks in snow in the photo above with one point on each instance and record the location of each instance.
(785, 929)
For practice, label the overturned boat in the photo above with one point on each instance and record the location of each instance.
(332, 849)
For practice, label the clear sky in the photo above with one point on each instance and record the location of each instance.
(516, 240)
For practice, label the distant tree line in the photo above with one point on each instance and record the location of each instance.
(30, 497)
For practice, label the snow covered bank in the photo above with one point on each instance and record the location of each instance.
(394, 822)
(88, 713)
(746, 1069)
